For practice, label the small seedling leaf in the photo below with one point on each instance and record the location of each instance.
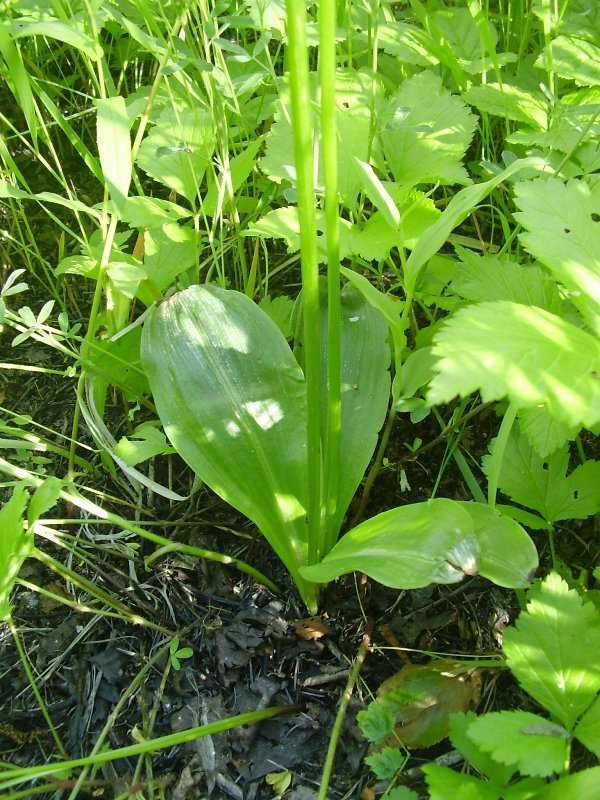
(44, 498)
(146, 443)
(375, 722)
(554, 650)
(525, 353)
(386, 763)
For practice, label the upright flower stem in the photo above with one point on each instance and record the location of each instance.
(304, 159)
(327, 74)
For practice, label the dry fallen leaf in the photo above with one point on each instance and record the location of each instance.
(311, 628)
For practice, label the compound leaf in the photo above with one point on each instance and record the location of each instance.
(522, 740)
(535, 358)
(543, 484)
(554, 650)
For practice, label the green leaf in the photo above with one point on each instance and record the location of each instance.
(238, 170)
(588, 728)
(114, 147)
(69, 32)
(43, 499)
(355, 99)
(378, 194)
(543, 484)
(554, 650)
(425, 132)
(178, 150)
(146, 443)
(495, 771)
(375, 722)
(445, 783)
(231, 397)
(17, 80)
(510, 102)
(169, 251)
(439, 541)
(481, 278)
(386, 763)
(521, 740)
(151, 212)
(583, 786)
(508, 555)
(573, 58)
(401, 793)
(562, 230)
(16, 544)
(365, 390)
(525, 353)
(545, 433)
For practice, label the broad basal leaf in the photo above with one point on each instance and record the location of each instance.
(562, 230)
(543, 484)
(528, 742)
(438, 541)
(506, 349)
(178, 149)
(365, 390)
(425, 132)
(231, 397)
(554, 650)
(16, 544)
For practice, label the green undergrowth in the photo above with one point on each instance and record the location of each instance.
(263, 237)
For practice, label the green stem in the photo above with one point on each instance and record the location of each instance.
(339, 720)
(327, 72)
(303, 152)
(498, 453)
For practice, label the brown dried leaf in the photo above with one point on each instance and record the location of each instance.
(311, 628)
(423, 696)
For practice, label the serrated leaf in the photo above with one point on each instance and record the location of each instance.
(178, 149)
(425, 132)
(545, 433)
(151, 212)
(168, 251)
(386, 763)
(562, 230)
(582, 785)
(525, 353)
(354, 98)
(588, 728)
(543, 484)
(16, 544)
(401, 793)
(444, 783)
(510, 102)
(279, 309)
(375, 722)
(573, 58)
(481, 278)
(519, 739)
(478, 758)
(554, 650)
